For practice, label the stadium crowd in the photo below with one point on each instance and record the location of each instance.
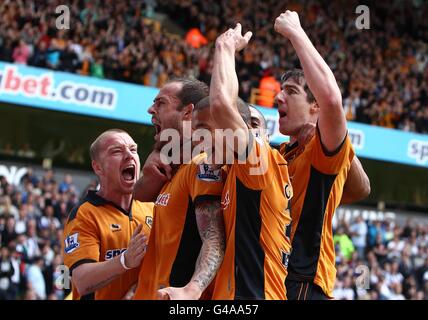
(381, 260)
(32, 217)
(382, 71)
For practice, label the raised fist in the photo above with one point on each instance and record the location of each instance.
(287, 24)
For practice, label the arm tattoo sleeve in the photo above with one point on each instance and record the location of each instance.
(102, 283)
(209, 218)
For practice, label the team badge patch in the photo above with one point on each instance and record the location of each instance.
(207, 173)
(71, 243)
(149, 221)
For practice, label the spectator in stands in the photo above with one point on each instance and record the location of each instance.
(36, 281)
(21, 53)
(344, 244)
(358, 232)
(6, 273)
(6, 206)
(268, 89)
(21, 222)
(8, 234)
(31, 245)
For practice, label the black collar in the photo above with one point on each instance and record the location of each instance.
(96, 200)
(291, 146)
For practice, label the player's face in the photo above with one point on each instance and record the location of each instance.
(202, 119)
(258, 123)
(165, 113)
(293, 107)
(119, 162)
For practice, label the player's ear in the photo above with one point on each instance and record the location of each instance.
(187, 112)
(314, 108)
(96, 167)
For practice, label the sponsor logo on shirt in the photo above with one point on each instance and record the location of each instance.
(162, 199)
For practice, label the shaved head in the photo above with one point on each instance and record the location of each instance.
(256, 113)
(96, 146)
(243, 108)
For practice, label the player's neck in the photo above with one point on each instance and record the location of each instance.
(121, 200)
(293, 139)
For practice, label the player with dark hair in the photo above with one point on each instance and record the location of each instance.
(319, 168)
(186, 246)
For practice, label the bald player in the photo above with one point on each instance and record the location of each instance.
(256, 194)
(105, 236)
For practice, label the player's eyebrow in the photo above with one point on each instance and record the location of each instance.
(290, 86)
(160, 99)
(114, 146)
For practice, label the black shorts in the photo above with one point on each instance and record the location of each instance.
(303, 290)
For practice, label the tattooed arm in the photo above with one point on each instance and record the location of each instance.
(209, 218)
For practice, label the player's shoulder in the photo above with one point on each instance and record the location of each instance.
(279, 158)
(86, 208)
(144, 206)
(200, 170)
(81, 211)
(209, 173)
(143, 212)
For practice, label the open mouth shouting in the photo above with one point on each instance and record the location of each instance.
(129, 173)
(158, 128)
(282, 113)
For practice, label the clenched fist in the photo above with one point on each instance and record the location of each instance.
(156, 167)
(288, 24)
(233, 38)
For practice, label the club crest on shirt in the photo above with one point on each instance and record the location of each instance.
(207, 173)
(149, 221)
(71, 243)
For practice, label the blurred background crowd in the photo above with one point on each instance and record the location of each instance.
(376, 259)
(381, 260)
(32, 217)
(382, 71)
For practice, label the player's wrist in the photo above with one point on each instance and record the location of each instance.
(194, 290)
(124, 261)
(224, 46)
(296, 35)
